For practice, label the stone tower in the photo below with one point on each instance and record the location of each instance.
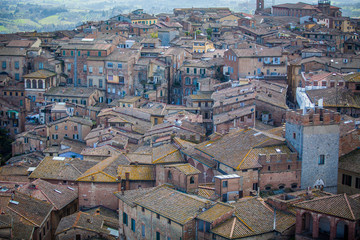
(259, 5)
(315, 136)
(324, 6)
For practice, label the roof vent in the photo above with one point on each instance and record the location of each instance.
(57, 191)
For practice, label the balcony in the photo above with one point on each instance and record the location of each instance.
(282, 64)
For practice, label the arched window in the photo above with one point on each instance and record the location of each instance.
(40, 84)
(187, 81)
(34, 84)
(192, 180)
(169, 175)
(28, 83)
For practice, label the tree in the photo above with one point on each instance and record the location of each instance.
(209, 32)
(5, 143)
(154, 35)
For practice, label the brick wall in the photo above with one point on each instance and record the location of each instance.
(94, 194)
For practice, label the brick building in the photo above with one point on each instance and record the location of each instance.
(330, 217)
(98, 183)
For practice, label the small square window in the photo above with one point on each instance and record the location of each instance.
(225, 183)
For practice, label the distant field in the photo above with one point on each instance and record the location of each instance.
(55, 19)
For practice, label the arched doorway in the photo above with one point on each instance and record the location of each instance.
(307, 224)
(324, 227)
(342, 230)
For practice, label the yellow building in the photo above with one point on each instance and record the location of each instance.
(144, 18)
(202, 46)
(230, 17)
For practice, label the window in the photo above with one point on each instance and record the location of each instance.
(133, 225)
(85, 68)
(100, 70)
(207, 227)
(100, 83)
(4, 64)
(79, 53)
(187, 81)
(17, 76)
(90, 82)
(72, 53)
(225, 183)
(64, 53)
(41, 65)
(346, 180)
(294, 135)
(142, 209)
(143, 230)
(169, 175)
(157, 235)
(195, 70)
(120, 65)
(56, 127)
(88, 53)
(322, 159)
(65, 127)
(5, 93)
(357, 183)
(192, 180)
(201, 226)
(255, 186)
(110, 65)
(99, 53)
(110, 77)
(69, 67)
(17, 65)
(169, 221)
(187, 69)
(125, 219)
(40, 84)
(158, 216)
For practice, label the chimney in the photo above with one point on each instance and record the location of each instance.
(127, 183)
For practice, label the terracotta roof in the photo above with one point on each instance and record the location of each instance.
(40, 74)
(251, 160)
(351, 161)
(233, 148)
(167, 153)
(215, 212)
(335, 97)
(31, 209)
(141, 158)
(90, 222)
(130, 196)
(104, 171)
(57, 195)
(172, 204)
(105, 150)
(253, 217)
(68, 169)
(355, 77)
(70, 91)
(340, 205)
(186, 168)
(137, 172)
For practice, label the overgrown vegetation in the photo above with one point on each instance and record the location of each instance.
(5, 146)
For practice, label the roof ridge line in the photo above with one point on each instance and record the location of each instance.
(347, 201)
(232, 228)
